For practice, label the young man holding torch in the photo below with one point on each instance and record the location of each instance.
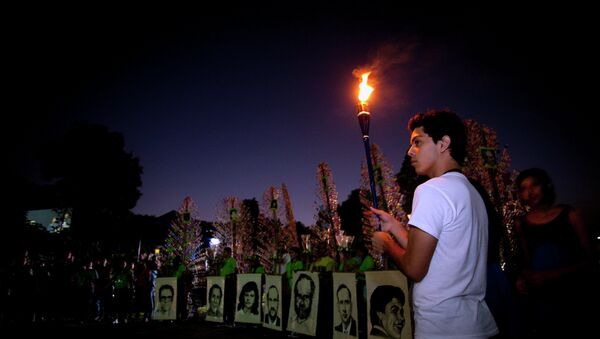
(443, 249)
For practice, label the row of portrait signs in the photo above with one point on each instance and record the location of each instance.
(338, 305)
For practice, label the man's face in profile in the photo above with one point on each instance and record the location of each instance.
(165, 299)
(392, 319)
(344, 305)
(215, 299)
(303, 299)
(273, 302)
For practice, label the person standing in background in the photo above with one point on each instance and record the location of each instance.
(229, 264)
(559, 275)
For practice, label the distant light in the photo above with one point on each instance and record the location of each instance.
(214, 242)
(157, 251)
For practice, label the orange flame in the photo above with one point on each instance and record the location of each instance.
(364, 89)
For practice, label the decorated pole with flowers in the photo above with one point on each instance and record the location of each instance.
(291, 234)
(184, 238)
(327, 216)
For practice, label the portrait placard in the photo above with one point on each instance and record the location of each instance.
(345, 309)
(488, 154)
(165, 299)
(304, 303)
(273, 302)
(388, 307)
(248, 300)
(215, 291)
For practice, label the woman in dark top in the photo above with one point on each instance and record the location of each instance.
(558, 266)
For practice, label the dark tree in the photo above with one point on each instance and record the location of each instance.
(252, 206)
(94, 174)
(350, 212)
(408, 180)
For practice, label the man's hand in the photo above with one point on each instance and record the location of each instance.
(379, 241)
(393, 226)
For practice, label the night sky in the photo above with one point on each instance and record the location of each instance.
(218, 104)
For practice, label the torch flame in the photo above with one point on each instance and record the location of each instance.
(364, 89)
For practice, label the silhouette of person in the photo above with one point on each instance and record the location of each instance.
(294, 265)
(229, 265)
(559, 273)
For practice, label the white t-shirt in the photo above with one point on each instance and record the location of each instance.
(449, 301)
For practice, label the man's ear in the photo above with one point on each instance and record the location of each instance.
(445, 142)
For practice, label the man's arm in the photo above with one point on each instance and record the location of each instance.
(413, 260)
(390, 224)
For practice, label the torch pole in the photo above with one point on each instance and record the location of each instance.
(370, 169)
(364, 118)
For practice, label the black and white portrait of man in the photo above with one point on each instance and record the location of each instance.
(165, 299)
(345, 317)
(214, 298)
(304, 304)
(273, 304)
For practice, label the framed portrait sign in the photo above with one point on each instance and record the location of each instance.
(488, 154)
(165, 299)
(273, 303)
(345, 306)
(304, 303)
(248, 298)
(388, 307)
(215, 292)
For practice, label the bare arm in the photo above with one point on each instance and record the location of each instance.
(413, 258)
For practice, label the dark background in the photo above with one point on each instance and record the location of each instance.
(229, 101)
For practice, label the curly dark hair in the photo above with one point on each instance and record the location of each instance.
(437, 123)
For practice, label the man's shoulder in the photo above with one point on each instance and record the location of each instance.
(378, 332)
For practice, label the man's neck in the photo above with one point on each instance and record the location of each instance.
(445, 167)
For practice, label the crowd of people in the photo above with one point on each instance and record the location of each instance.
(115, 290)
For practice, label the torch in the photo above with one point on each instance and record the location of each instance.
(364, 117)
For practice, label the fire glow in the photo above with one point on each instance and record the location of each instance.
(364, 90)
